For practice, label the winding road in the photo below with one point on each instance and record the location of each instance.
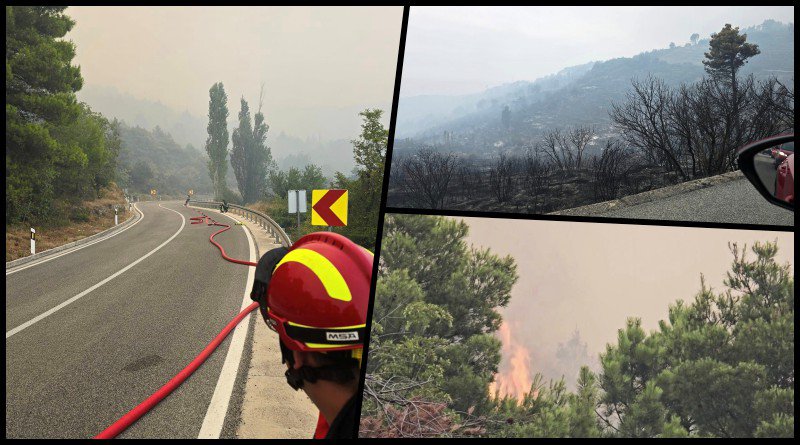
(93, 332)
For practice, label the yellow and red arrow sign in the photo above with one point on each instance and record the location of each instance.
(329, 207)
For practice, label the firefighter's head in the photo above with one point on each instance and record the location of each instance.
(315, 296)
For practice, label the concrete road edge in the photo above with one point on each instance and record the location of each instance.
(651, 195)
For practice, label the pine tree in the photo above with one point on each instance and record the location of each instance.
(40, 95)
(722, 365)
(728, 52)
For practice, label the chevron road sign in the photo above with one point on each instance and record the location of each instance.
(329, 207)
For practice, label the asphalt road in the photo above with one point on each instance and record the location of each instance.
(77, 370)
(735, 202)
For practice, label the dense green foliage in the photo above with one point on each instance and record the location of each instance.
(56, 148)
(434, 317)
(280, 182)
(369, 153)
(722, 365)
(364, 186)
(217, 142)
(308, 178)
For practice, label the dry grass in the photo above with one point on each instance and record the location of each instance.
(87, 219)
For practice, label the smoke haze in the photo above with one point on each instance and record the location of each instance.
(592, 277)
(462, 50)
(320, 65)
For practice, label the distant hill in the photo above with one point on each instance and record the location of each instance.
(173, 169)
(187, 129)
(419, 113)
(184, 127)
(331, 156)
(575, 95)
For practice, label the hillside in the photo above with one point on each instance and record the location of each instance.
(184, 127)
(153, 160)
(575, 95)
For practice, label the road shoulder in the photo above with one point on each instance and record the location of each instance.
(67, 248)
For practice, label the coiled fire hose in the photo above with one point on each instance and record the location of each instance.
(136, 413)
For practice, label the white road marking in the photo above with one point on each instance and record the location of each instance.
(39, 318)
(76, 248)
(218, 407)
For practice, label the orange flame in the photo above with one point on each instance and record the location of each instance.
(514, 376)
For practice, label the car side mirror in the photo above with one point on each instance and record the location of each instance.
(769, 165)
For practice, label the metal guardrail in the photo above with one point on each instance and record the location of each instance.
(264, 221)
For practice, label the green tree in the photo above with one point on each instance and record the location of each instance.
(280, 182)
(217, 142)
(87, 160)
(310, 178)
(262, 156)
(250, 156)
(434, 317)
(721, 366)
(40, 95)
(369, 153)
(241, 146)
(114, 147)
(141, 175)
(728, 52)
(583, 421)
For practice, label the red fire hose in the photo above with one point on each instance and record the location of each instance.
(133, 415)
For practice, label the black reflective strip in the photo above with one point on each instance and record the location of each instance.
(335, 336)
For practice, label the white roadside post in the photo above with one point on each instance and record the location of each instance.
(33, 241)
(116, 218)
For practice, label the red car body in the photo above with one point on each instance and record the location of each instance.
(784, 181)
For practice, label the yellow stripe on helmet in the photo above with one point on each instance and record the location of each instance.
(337, 327)
(332, 280)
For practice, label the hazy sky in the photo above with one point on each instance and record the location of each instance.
(309, 58)
(593, 276)
(458, 50)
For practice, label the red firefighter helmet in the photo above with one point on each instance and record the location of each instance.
(318, 294)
